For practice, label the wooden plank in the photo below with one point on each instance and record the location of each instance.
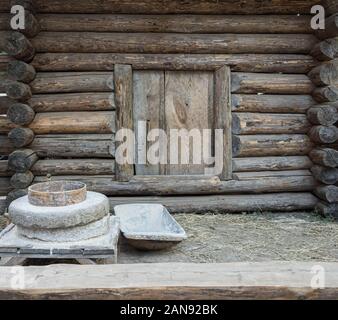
(92, 101)
(148, 88)
(96, 42)
(175, 6)
(286, 63)
(272, 103)
(271, 163)
(123, 84)
(174, 23)
(263, 123)
(223, 118)
(189, 105)
(271, 83)
(74, 122)
(74, 145)
(169, 281)
(176, 185)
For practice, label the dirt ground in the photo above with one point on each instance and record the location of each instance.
(245, 237)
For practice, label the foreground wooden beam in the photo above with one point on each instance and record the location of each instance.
(241, 280)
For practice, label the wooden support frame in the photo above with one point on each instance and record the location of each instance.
(123, 81)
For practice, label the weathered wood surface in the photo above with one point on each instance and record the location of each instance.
(172, 43)
(5, 145)
(327, 193)
(287, 63)
(20, 137)
(5, 103)
(323, 134)
(271, 145)
(20, 114)
(176, 6)
(326, 94)
(325, 115)
(18, 91)
(325, 74)
(21, 180)
(22, 160)
(54, 82)
(176, 24)
(123, 85)
(243, 176)
(331, 28)
(17, 45)
(15, 194)
(326, 50)
(4, 59)
(4, 170)
(272, 103)
(5, 124)
(74, 122)
(74, 167)
(325, 157)
(228, 203)
(327, 209)
(175, 185)
(3, 205)
(20, 71)
(74, 145)
(271, 83)
(331, 6)
(271, 163)
(4, 82)
(93, 101)
(5, 186)
(262, 123)
(325, 175)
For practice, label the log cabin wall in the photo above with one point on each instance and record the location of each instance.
(267, 46)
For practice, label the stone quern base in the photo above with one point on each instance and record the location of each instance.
(14, 248)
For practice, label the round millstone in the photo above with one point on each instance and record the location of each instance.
(24, 214)
(73, 234)
(57, 193)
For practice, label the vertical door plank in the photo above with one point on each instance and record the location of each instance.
(187, 106)
(223, 117)
(148, 107)
(123, 85)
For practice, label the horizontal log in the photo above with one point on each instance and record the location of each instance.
(331, 28)
(243, 176)
(172, 43)
(54, 82)
(20, 71)
(101, 101)
(325, 157)
(271, 145)
(4, 170)
(4, 82)
(18, 91)
(327, 210)
(271, 83)
(175, 23)
(5, 186)
(18, 46)
(21, 137)
(3, 205)
(74, 167)
(262, 123)
(175, 185)
(286, 63)
(22, 160)
(76, 146)
(326, 50)
(20, 114)
(322, 134)
(31, 29)
(271, 163)
(5, 145)
(5, 103)
(325, 115)
(325, 175)
(271, 103)
(331, 6)
(74, 122)
(175, 6)
(326, 94)
(29, 5)
(230, 203)
(325, 74)
(327, 193)
(5, 125)
(4, 60)
(22, 180)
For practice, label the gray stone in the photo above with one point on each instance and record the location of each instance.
(78, 233)
(24, 214)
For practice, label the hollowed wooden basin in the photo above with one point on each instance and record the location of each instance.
(57, 193)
